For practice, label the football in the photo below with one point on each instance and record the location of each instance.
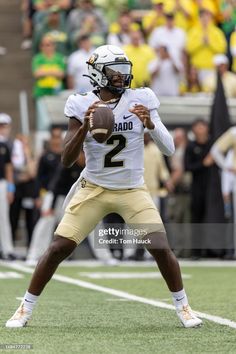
(101, 123)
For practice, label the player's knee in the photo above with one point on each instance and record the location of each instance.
(158, 241)
(61, 248)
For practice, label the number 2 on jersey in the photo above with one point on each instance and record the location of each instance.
(121, 144)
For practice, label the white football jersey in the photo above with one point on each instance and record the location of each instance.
(117, 163)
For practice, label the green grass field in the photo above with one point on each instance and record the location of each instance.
(73, 319)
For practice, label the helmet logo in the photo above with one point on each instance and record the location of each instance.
(120, 59)
(93, 58)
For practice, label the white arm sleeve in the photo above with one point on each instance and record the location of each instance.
(228, 178)
(160, 135)
(218, 156)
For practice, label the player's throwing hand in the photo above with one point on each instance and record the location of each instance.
(143, 114)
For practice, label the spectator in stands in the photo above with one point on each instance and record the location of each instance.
(179, 180)
(41, 5)
(119, 32)
(33, 16)
(49, 160)
(112, 8)
(51, 211)
(24, 166)
(197, 162)
(228, 13)
(43, 8)
(155, 17)
(233, 49)
(178, 186)
(49, 169)
(27, 11)
(138, 5)
(155, 169)
(77, 66)
(54, 25)
(210, 5)
(48, 69)
(184, 12)
(5, 130)
(155, 175)
(165, 73)
(221, 63)
(172, 37)
(87, 19)
(7, 189)
(204, 41)
(191, 84)
(140, 55)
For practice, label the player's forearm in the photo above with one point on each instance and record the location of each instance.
(162, 137)
(73, 147)
(163, 140)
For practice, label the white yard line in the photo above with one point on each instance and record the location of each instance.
(120, 294)
(126, 275)
(10, 275)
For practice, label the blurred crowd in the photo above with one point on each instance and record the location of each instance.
(175, 46)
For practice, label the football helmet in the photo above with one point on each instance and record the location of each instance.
(107, 63)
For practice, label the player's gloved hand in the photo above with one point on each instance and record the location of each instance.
(143, 114)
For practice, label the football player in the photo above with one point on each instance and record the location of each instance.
(112, 180)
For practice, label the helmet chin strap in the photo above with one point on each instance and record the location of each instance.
(116, 90)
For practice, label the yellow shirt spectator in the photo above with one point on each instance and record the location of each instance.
(140, 54)
(204, 41)
(233, 49)
(140, 57)
(155, 17)
(209, 5)
(184, 11)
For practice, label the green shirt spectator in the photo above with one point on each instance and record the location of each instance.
(48, 69)
(228, 11)
(51, 22)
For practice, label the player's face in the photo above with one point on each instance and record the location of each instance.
(115, 78)
(118, 74)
